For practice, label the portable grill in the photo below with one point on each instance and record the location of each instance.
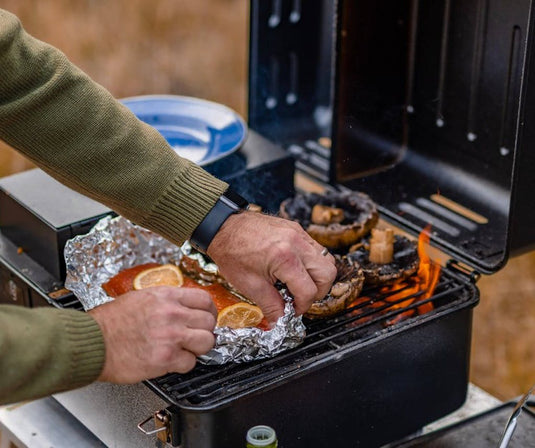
(425, 106)
(348, 382)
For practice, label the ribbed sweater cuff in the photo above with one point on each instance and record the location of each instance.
(181, 208)
(86, 347)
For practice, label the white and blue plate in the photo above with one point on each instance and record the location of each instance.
(199, 130)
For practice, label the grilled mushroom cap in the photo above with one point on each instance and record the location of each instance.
(405, 263)
(359, 216)
(346, 288)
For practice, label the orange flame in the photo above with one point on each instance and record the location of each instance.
(417, 288)
(428, 273)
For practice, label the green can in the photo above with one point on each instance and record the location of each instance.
(262, 436)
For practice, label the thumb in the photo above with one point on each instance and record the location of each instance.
(270, 302)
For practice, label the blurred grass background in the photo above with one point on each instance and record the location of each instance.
(135, 47)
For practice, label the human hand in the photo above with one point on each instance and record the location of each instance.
(154, 331)
(253, 251)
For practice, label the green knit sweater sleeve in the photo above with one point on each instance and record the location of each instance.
(77, 132)
(45, 350)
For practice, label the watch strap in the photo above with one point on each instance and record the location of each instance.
(228, 203)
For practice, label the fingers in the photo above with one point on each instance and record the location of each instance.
(195, 299)
(305, 270)
(268, 299)
(155, 331)
(181, 307)
(184, 362)
(197, 341)
(173, 359)
(188, 317)
(323, 273)
(299, 282)
(253, 251)
(176, 346)
(307, 285)
(319, 264)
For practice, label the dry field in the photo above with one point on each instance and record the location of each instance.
(135, 47)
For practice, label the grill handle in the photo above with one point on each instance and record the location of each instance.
(152, 431)
(161, 426)
(167, 426)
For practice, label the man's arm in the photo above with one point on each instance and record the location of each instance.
(140, 335)
(43, 351)
(74, 129)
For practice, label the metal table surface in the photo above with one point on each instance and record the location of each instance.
(43, 423)
(47, 424)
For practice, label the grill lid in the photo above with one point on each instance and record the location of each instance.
(428, 106)
(432, 120)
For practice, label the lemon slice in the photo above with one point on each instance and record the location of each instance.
(166, 275)
(240, 315)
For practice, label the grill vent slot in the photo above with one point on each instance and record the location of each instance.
(426, 217)
(444, 215)
(454, 217)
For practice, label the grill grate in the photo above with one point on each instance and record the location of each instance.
(68, 301)
(326, 339)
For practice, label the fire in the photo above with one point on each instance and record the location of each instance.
(428, 273)
(415, 289)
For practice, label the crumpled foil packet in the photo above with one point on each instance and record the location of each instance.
(115, 244)
(249, 344)
(112, 245)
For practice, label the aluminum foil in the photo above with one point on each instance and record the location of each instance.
(249, 344)
(112, 245)
(115, 244)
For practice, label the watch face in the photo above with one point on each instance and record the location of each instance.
(229, 203)
(239, 201)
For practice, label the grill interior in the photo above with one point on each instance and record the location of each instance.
(407, 101)
(69, 301)
(326, 340)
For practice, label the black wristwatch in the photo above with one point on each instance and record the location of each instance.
(228, 203)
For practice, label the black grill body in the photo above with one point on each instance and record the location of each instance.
(354, 380)
(365, 396)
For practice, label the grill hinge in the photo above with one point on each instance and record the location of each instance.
(464, 270)
(166, 427)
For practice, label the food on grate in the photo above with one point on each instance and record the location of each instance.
(222, 298)
(165, 275)
(240, 315)
(325, 215)
(404, 263)
(124, 281)
(220, 295)
(346, 287)
(382, 246)
(334, 219)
